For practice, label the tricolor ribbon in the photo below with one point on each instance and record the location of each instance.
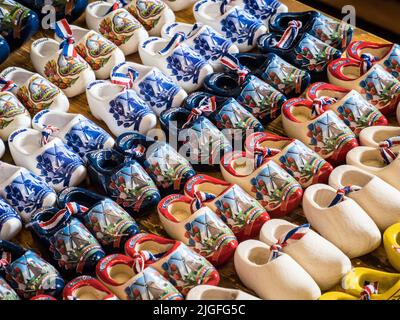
(6, 85)
(388, 143)
(63, 31)
(138, 151)
(173, 43)
(199, 198)
(388, 155)
(232, 63)
(367, 61)
(263, 153)
(47, 133)
(141, 258)
(341, 193)
(116, 5)
(290, 34)
(74, 208)
(318, 106)
(207, 105)
(368, 290)
(124, 79)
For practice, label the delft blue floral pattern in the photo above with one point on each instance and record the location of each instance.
(392, 62)
(336, 34)
(261, 9)
(6, 213)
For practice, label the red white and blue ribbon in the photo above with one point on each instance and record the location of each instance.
(232, 63)
(388, 155)
(368, 290)
(6, 85)
(141, 258)
(173, 43)
(47, 133)
(367, 61)
(74, 208)
(63, 31)
(388, 143)
(138, 151)
(124, 79)
(318, 106)
(341, 193)
(199, 198)
(263, 153)
(290, 34)
(208, 105)
(116, 5)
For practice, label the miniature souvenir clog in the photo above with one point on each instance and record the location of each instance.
(27, 273)
(378, 198)
(382, 162)
(391, 242)
(131, 281)
(178, 5)
(325, 133)
(48, 157)
(385, 285)
(273, 275)
(35, 92)
(106, 220)
(183, 267)
(198, 139)
(376, 85)
(232, 21)
(242, 213)
(100, 53)
(120, 108)
(381, 136)
(331, 31)
(24, 190)
(210, 44)
(70, 243)
(116, 24)
(177, 60)
(13, 115)
(75, 130)
(340, 220)
(275, 71)
(17, 23)
(158, 90)
(325, 263)
(123, 179)
(370, 53)
(10, 222)
(263, 10)
(263, 179)
(62, 65)
(168, 169)
(4, 50)
(6, 292)
(206, 292)
(87, 288)
(356, 112)
(305, 165)
(200, 229)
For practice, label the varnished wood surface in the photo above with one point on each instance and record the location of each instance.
(21, 58)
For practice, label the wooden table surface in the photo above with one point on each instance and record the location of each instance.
(151, 223)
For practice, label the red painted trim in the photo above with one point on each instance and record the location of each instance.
(111, 261)
(192, 183)
(312, 91)
(257, 138)
(288, 106)
(164, 204)
(354, 49)
(85, 281)
(335, 68)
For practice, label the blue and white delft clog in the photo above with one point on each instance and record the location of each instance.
(10, 222)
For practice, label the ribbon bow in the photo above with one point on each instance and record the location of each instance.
(388, 155)
(368, 290)
(173, 43)
(318, 106)
(232, 63)
(290, 34)
(367, 61)
(138, 151)
(141, 258)
(207, 105)
(388, 143)
(6, 85)
(263, 153)
(199, 198)
(124, 79)
(341, 193)
(47, 132)
(116, 5)
(5, 259)
(63, 31)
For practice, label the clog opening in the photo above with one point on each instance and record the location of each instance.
(57, 120)
(211, 11)
(180, 118)
(302, 113)
(79, 33)
(83, 199)
(181, 27)
(208, 187)
(226, 83)
(281, 230)
(352, 72)
(385, 280)
(274, 144)
(324, 197)
(121, 273)
(271, 40)
(259, 255)
(376, 52)
(219, 294)
(154, 247)
(19, 77)
(331, 93)
(243, 166)
(48, 48)
(354, 177)
(252, 62)
(90, 293)
(101, 9)
(106, 91)
(180, 210)
(156, 46)
(29, 142)
(385, 133)
(372, 158)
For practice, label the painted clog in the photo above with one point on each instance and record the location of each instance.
(116, 24)
(273, 187)
(35, 92)
(331, 31)
(382, 162)
(340, 220)
(370, 53)
(4, 50)
(75, 130)
(378, 198)
(120, 108)
(337, 295)
(206, 292)
(6, 292)
(87, 288)
(305, 165)
(158, 90)
(183, 267)
(100, 53)
(325, 263)
(70, 243)
(10, 222)
(391, 244)
(264, 10)
(376, 85)
(168, 169)
(129, 280)
(210, 44)
(242, 213)
(275, 71)
(231, 21)
(178, 5)
(198, 139)
(257, 265)
(381, 136)
(356, 112)
(106, 220)
(2, 148)
(48, 157)
(325, 133)
(27, 273)
(385, 285)
(200, 229)
(177, 60)
(124, 180)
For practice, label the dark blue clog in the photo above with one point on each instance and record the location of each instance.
(4, 50)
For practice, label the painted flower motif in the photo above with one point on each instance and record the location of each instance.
(120, 28)
(148, 12)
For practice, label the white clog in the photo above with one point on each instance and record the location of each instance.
(10, 222)
(177, 60)
(273, 276)
(121, 109)
(209, 43)
(236, 24)
(325, 263)
(64, 68)
(116, 24)
(153, 86)
(75, 130)
(35, 92)
(382, 162)
(378, 198)
(2, 148)
(178, 5)
(47, 157)
(381, 136)
(206, 292)
(100, 53)
(340, 220)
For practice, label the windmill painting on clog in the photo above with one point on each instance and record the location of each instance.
(304, 164)
(87, 288)
(241, 212)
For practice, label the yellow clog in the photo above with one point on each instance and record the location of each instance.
(336, 295)
(391, 241)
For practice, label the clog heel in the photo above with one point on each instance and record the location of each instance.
(391, 241)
